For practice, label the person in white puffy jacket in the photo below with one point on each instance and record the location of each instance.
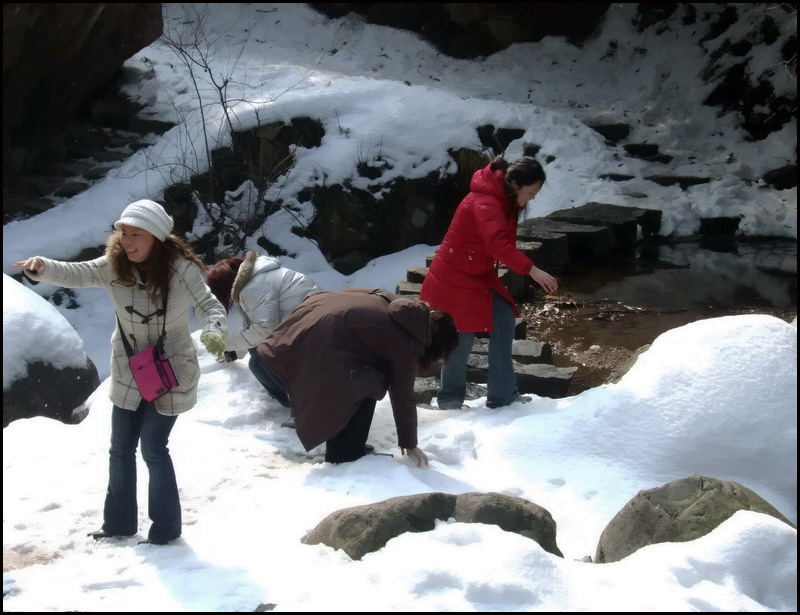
(265, 292)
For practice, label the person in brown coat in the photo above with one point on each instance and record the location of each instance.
(339, 352)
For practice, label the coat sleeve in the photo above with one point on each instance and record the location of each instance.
(499, 236)
(403, 368)
(96, 272)
(208, 308)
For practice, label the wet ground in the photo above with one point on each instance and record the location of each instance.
(603, 314)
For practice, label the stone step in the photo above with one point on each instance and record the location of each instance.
(584, 241)
(553, 253)
(408, 290)
(517, 284)
(425, 389)
(523, 351)
(416, 275)
(541, 379)
(621, 219)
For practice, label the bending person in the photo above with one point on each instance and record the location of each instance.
(339, 352)
(265, 293)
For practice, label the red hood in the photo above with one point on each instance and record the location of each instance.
(486, 181)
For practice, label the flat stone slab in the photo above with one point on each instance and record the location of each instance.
(607, 214)
(585, 241)
(554, 251)
(416, 275)
(408, 289)
(540, 379)
(522, 351)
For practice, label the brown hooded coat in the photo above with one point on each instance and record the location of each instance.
(340, 347)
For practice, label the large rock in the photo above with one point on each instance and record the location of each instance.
(472, 29)
(682, 510)
(363, 529)
(50, 392)
(55, 58)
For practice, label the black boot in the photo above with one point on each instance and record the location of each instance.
(100, 534)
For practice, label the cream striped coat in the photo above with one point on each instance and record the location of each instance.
(133, 305)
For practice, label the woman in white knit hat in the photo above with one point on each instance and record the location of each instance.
(144, 265)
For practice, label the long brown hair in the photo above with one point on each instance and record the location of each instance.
(444, 339)
(159, 264)
(221, 277)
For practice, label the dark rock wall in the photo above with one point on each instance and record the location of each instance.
(55, 57)
(473, 29)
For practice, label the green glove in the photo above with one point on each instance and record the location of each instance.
(214, 343)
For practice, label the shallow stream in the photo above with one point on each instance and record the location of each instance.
(603, 313)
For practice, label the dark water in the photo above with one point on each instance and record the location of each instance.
(605, 312)
(688, 276)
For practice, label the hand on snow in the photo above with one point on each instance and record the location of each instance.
(417, 454)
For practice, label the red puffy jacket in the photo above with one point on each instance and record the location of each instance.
(463, 272)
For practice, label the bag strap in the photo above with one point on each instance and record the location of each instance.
(161, 338)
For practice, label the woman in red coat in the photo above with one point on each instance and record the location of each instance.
(463, 281)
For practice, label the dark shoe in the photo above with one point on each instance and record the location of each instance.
(521, 399)
(157, 541)
(452, 405)
(100, 534)
(368, 449)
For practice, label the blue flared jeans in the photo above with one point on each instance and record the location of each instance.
(502, 383)
(120, 513)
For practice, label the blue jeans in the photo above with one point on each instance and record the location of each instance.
(271, 383)
(502, 384)
(120, 513)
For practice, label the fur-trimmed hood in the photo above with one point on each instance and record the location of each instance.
(249, 268)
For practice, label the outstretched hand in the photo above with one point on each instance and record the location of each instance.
(417, 454)
(544, 279)
(31, 266)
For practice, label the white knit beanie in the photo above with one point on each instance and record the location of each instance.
(148, 215)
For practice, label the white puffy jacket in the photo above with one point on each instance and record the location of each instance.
(265, 292)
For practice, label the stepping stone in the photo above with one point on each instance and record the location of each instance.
(544, 380)
(517, 284)
(408, 290)
(723, 225)
(619, 217)
(554, 251)
(525, 352)
(586, 242)
(540, 379)
(416, 275)
(531, 249)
